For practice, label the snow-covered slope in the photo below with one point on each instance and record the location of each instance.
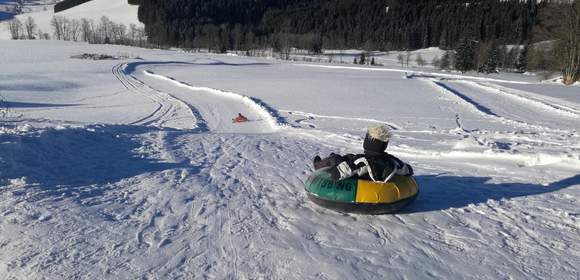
(30, 6)
(118, 11)
(124, 169)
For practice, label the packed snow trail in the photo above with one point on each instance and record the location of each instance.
(512, 107)
(216, 108)
(170, 111)
(558, 106)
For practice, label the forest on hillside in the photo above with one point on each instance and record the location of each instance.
(481, 35)
(313, 24)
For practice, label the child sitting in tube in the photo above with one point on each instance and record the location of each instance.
(375, 164)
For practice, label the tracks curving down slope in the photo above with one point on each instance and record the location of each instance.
(169, 112)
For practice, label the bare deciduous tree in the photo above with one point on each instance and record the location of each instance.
(15, 26)
(74, 29)
(65, 29)
(86, 30)
(401, 59)
(560, 20)
(419, 60)
(30, 26)
(105, 31)
(447, 60)
(436, 62)
(407, 58)
(57, 23)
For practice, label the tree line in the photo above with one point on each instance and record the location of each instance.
(337, 24)
(103, 31)
(553, 48)
(480, 35)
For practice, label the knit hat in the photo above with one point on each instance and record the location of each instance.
(377, 139)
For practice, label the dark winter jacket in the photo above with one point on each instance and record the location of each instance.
(378, 168)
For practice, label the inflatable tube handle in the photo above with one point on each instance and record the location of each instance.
(395, 169)
(367, 166)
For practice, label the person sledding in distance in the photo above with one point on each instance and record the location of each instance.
(375, 164)
(240, 118)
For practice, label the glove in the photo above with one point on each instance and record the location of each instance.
(341, 171)
(316, 162)
(410, 170)
(334, 174)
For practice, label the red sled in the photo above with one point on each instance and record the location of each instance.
(239, 119)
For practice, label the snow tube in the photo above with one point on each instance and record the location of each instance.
(361, 196)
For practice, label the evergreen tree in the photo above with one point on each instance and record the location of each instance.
(465, 55)
(446, 60)
(491, 60)
(512, 58)
(504, 57)
(363, 59)
(522, 62)
(312, 24)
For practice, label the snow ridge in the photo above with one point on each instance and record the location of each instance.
(269, 114)
(478, 107)
(410, 74)
(524, 97)
(485, 111)
(523, 159)
(369, 120)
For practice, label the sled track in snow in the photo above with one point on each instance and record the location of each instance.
(483, 110)
(157, 114)
(524, 97)
(268, 113)
(368, 120)
(169, 108)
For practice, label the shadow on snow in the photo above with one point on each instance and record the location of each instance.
(10, 104)
(77, 162)
(131, 67)
(443, 192)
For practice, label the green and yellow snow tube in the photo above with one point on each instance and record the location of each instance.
(361, 196)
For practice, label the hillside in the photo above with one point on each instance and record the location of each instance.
(339, 24)
(118, 11)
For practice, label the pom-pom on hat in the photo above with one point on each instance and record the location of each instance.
(377, 139)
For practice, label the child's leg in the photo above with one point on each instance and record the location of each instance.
(332, 160)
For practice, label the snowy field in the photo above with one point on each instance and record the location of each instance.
(132, 169)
